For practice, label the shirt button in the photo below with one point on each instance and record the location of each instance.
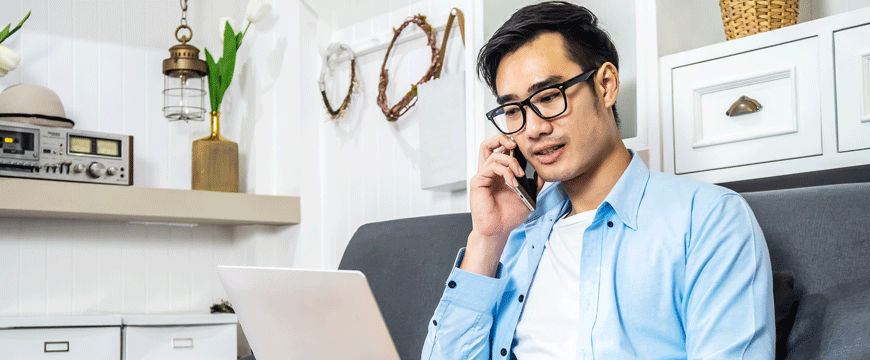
(503, 352)
(451, 284)
(521, 298)
(434, 323)
(610, 224)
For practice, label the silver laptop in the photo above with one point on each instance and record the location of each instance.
(307, 314)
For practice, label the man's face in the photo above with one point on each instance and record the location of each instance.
(565, 147)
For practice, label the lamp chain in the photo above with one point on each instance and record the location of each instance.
(183, 12)
(183, 39)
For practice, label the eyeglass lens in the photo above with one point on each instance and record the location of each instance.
(547, 103)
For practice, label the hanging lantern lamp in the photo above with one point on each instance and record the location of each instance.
(184, 73)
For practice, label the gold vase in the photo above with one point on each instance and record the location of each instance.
(215, 161)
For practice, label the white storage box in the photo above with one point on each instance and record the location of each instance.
(188, 337)
(61, 337)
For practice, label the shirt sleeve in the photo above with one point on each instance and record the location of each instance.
(463, 320)
(728, 302)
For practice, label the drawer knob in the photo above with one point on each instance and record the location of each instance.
(744, 105)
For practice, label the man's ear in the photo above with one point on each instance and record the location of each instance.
(607, 84)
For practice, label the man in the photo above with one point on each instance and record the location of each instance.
(616, 261)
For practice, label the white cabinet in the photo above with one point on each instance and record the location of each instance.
(66, 337)
(187, 337)
(784, 81)
(852, 61)
(812, 82)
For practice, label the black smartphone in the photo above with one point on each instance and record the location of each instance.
(528, 189)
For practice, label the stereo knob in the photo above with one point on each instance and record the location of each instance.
(111, 171)
(79, 168)
(96, 170)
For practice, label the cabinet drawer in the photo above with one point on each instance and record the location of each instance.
(784, 79)
(206, 342)
(74, 343)
(852, 68)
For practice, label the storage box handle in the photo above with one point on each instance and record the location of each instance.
(183, 343)
(56, 346)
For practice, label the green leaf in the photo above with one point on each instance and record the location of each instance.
(239, 38)
(228, 61)
(5, 33)
(19, 24)
(219, 81)
(213, 81)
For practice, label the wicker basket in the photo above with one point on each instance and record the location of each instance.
(742, 18)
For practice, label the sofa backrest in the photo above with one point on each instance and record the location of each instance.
(406, 263)
(821, 233)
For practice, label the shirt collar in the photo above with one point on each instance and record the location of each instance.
(626, 195)
(624, 198)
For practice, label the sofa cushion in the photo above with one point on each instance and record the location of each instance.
(828, 328)
(406, 263)
(820, 233)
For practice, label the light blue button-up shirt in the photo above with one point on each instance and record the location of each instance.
(671, 268)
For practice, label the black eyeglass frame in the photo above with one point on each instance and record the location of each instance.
(528, 101)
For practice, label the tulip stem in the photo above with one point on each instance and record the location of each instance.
(244, 32)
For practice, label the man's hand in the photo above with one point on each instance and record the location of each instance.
(496, 209)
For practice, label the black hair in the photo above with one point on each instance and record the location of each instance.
(585, 42)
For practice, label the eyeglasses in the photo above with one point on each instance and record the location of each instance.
(547, 103)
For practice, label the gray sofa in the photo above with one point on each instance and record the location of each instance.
(820, 234)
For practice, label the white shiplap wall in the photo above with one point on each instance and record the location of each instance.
(371, 167)
(66, 267)
(103, 58)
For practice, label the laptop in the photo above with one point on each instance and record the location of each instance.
(290, 314)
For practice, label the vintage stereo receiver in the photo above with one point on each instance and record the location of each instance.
(50, 153)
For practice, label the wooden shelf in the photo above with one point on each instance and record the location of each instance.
(67, 200)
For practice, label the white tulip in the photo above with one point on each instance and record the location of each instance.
(8, 60)
(223, 23)
(256, 11)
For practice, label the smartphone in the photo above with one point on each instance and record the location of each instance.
(528, 189)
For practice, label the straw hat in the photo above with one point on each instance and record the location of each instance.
(33, 104)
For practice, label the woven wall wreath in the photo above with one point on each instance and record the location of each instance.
(405, 104)
(336, 49)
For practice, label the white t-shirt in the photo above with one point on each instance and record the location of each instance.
(551, 317)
